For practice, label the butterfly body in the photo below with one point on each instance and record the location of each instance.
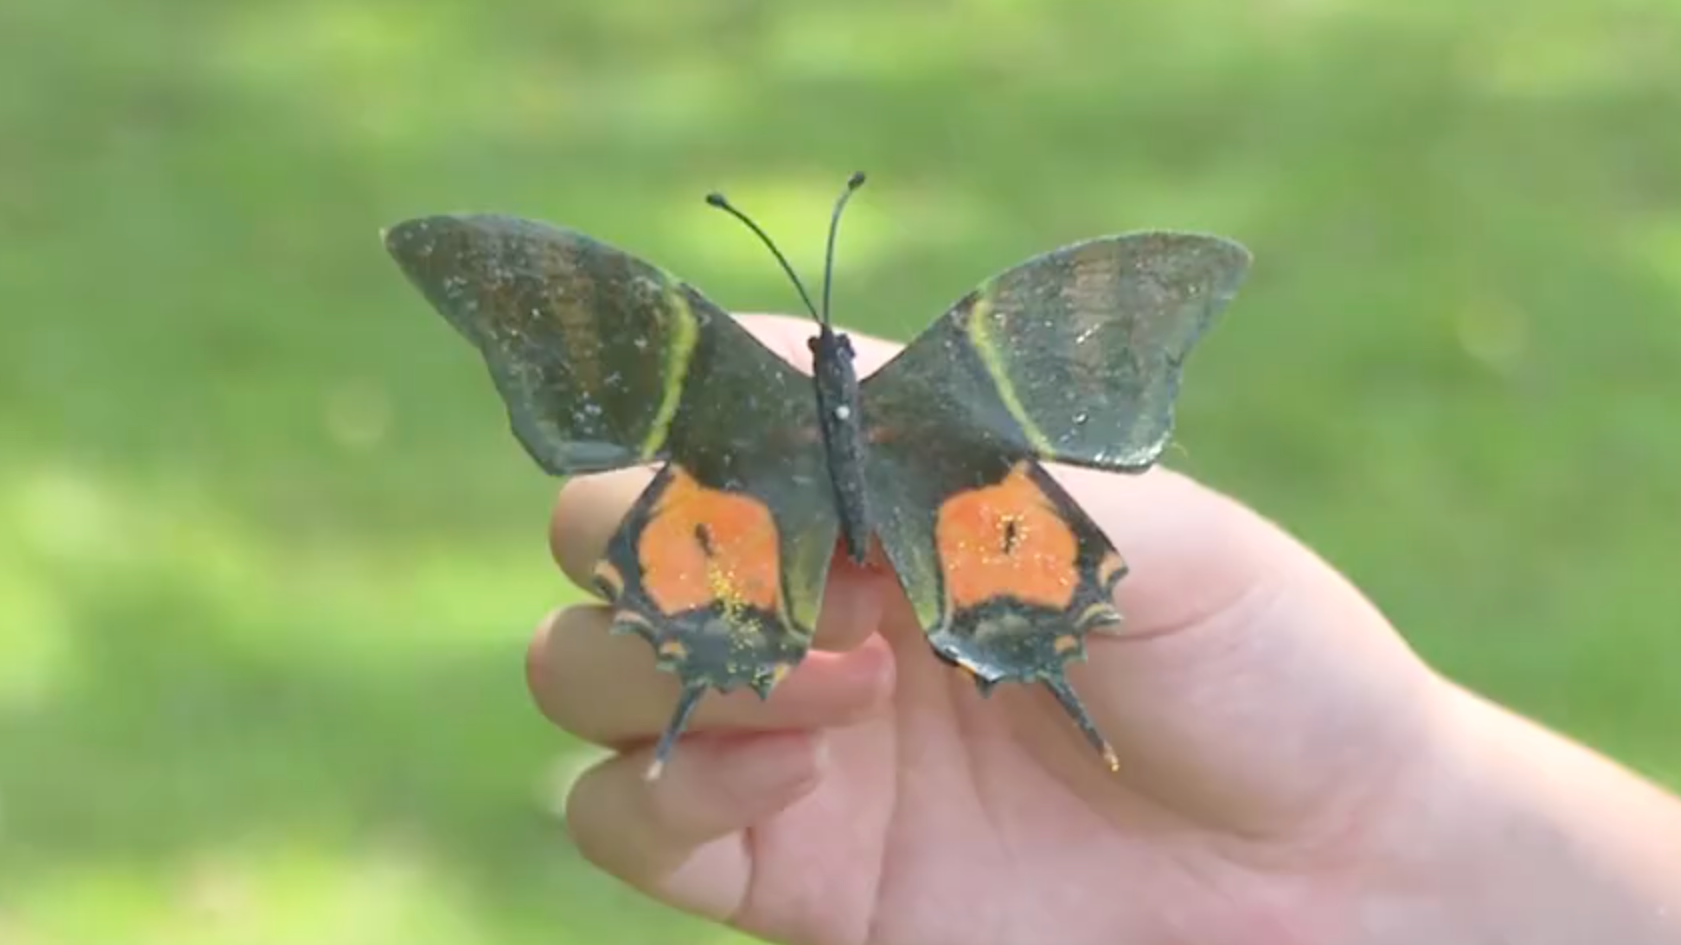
(840, 415)
(605, 361)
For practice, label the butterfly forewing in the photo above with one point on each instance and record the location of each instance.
(590, 348)
(605, 361)
(1073, 356)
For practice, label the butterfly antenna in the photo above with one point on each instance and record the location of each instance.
(852, 184)
(718, 200)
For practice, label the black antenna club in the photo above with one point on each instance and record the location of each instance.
(852, 184)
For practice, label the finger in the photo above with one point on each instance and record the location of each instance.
(680, 838)
(1250, 674)
(605, 688)
(587, 512)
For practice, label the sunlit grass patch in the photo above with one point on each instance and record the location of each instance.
(260, 890)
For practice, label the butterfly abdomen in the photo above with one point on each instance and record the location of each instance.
(840, 416)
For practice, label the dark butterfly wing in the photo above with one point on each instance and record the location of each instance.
(1073, 356)
(605, 361)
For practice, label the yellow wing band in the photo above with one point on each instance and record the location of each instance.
(980, 336)
(684, 333)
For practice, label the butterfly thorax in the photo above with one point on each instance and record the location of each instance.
(840, 416)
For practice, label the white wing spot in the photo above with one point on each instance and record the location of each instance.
(843, 412)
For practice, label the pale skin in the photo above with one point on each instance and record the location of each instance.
(1290, 771)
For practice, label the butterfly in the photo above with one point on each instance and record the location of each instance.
(606, 361)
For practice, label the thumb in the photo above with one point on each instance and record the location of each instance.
(1252, 684)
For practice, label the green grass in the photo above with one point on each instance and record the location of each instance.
(268, 557)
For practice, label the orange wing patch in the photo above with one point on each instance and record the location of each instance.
(1007, 540)
(703, 546)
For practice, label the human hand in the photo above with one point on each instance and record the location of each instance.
(1280, 748)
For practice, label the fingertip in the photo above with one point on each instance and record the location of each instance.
(544, 684)
(587, 511)
(853, 685)
(535, 649)
(854, 599)
(787, 335)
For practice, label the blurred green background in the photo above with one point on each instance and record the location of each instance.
(269, 558)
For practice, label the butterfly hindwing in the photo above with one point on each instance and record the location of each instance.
(1073, 356)
(589, 347)
(1006, 574)
(605, 361)
(724, 583)
(704, 575)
